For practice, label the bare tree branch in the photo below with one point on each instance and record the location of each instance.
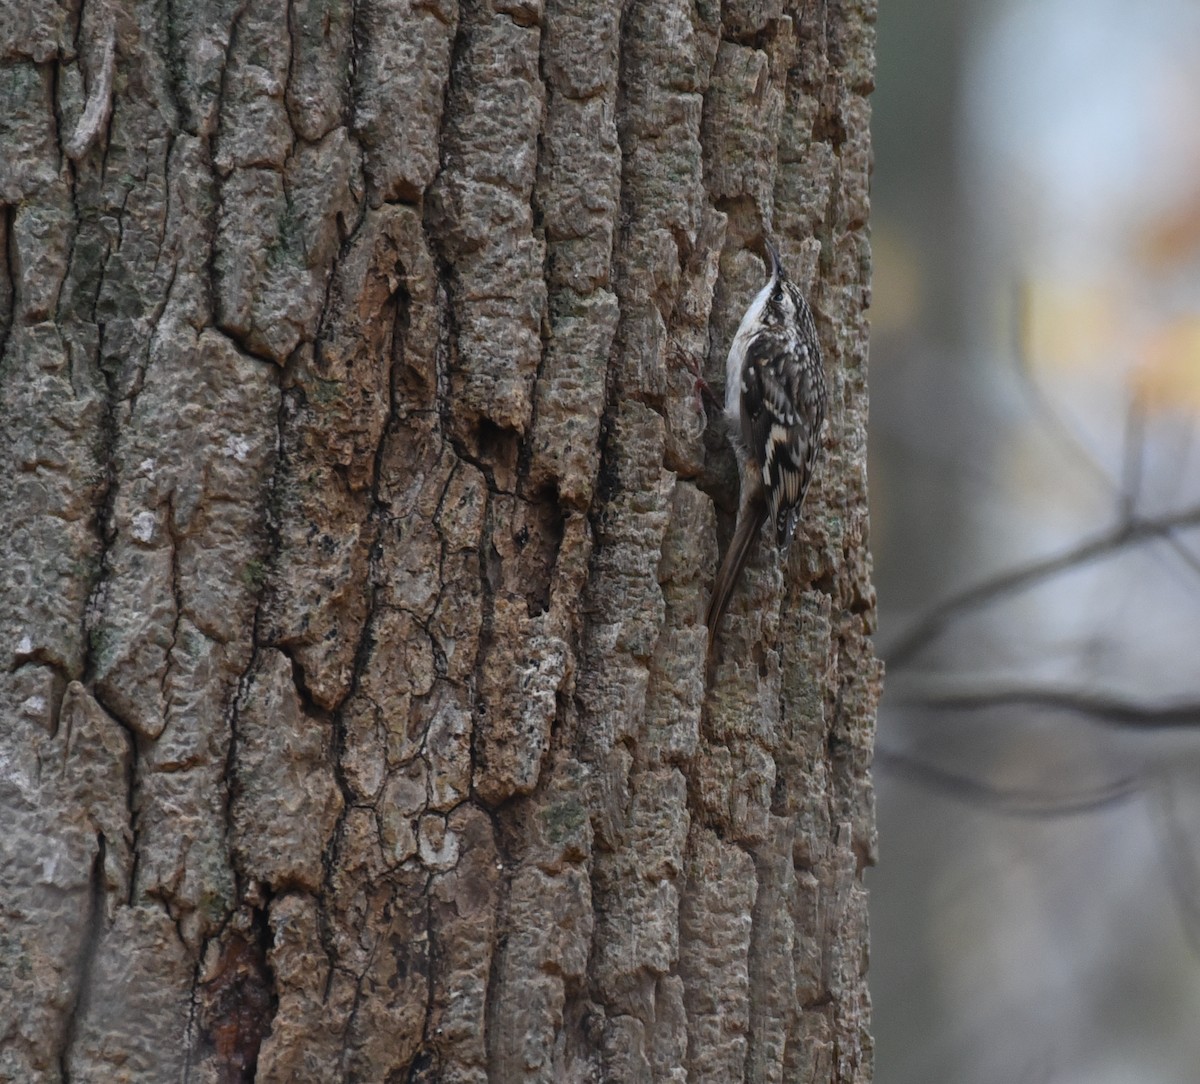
(1059, 426)
(1012, 802)
(1107, 708)
(1123, 536)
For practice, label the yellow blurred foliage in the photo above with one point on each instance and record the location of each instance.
(1167, 375)
(1068, 326)
(896, 275)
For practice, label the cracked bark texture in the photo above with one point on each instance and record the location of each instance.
(360, 510)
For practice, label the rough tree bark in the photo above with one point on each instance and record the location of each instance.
(359, 514)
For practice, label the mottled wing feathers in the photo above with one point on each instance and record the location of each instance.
(783, 404)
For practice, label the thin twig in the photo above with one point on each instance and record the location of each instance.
(1107, 708)
(1131, 533)
(1183, 877)
(1010, 801)
(1058, 426)
(1131, 468)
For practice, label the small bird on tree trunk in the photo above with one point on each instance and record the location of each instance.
(775, 404)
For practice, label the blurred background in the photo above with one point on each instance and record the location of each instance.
(1035, 478)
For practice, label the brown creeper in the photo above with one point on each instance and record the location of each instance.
(775, 404)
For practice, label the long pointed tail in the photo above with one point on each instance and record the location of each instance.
(750, 521)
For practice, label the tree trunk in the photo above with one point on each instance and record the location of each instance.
(361, 511)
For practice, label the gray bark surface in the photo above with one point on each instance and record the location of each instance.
(360, 510)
